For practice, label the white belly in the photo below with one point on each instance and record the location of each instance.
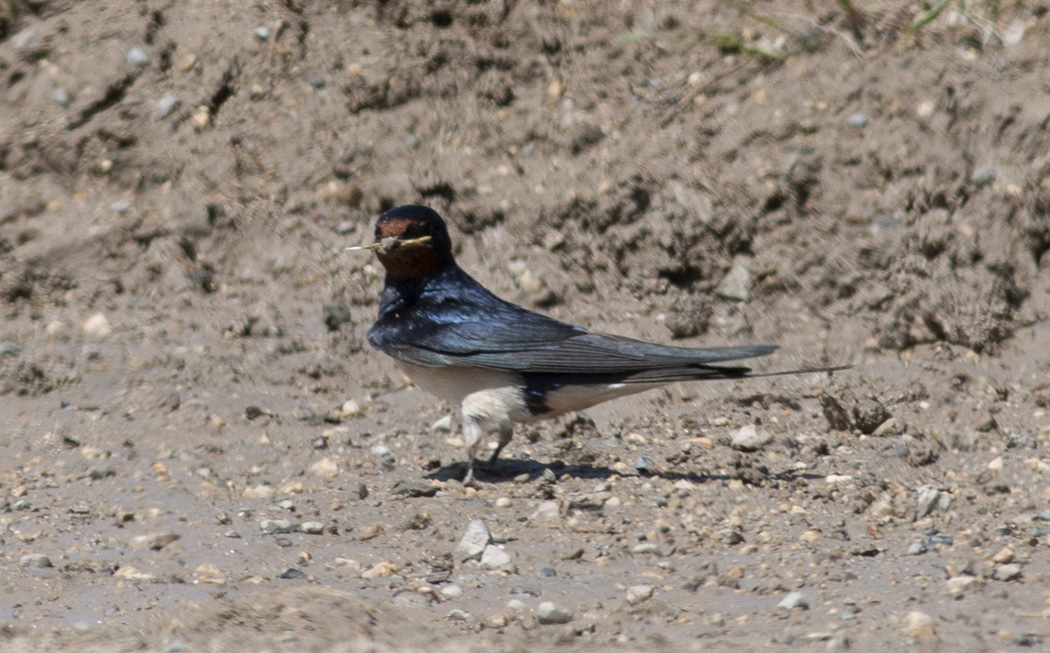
(485, 395)
(453, 384)
(497, 397)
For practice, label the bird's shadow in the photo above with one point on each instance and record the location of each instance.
(510, 470)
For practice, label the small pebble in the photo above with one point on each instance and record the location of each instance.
(137, 58)
(96, 326)
(916, 549)
(165, 105)
(325, 468)
(60, 96)
(639, 593)
(291, 487)
(736, 285)
(920, 625)
(1008, 572)
(317, 81)
(259, 492)
(262, 33)
(1004, 556)
(943, 540)
(133, 574)
(384, 569)
(277, 526)
(643, 464)
(549, 613)
(312, 527)
(414, 489)
(857, 121)
(153, 541)
(957, 585)
(451, 591)
(503, 502)
(792, 601)
(350, 407)
(187, 62)
(983, 175)
(287, 504)
(925, 109)
(292, 573)
(35, 560)
(209, 574)
(201, 117)
(750, 438)
(380, 450)
(928, 497)
(890, 427)
(458, 615)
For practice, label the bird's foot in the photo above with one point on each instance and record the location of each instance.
(468, 478)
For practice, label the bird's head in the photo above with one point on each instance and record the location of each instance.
(411, 241)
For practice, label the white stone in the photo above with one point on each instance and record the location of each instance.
(494, 557)
(96, 326)
(639, 593)
(350, 408)
(794, 600)
(546, 514)
(474, 541)
(548, 613)
(325, 468)
(736, 285)
(750, 438)
(920, 625)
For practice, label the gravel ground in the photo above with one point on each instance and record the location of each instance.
(198, 450)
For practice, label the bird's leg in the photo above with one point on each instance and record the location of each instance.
(472, 433)
(468, 478)
(506, 432)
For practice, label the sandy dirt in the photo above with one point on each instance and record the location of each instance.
(200, 452)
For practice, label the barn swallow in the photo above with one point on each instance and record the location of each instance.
(502, 363)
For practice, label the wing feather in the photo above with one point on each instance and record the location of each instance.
(458, 322)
